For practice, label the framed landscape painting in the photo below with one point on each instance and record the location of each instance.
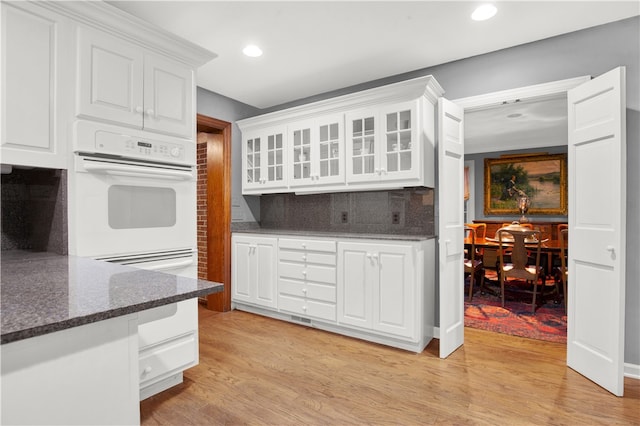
(541, 177)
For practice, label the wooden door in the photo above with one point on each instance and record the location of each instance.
(214, 208)
(450, 198)
(597, 209)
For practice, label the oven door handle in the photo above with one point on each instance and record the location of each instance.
(136, 171)
(173, 265)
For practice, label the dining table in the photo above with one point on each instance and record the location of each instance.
(548, 247)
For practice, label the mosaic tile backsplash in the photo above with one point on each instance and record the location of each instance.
(34, 210)
(407, 211)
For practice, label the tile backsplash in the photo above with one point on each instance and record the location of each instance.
(408, 211)
(34, 210)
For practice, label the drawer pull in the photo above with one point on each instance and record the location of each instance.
(147, 370)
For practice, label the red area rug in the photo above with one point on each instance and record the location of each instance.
(485, 312)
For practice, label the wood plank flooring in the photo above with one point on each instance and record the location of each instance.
(255, 370)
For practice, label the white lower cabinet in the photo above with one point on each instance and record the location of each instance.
(378, 287)
(307, 277)
(253, 270)
(376, 290)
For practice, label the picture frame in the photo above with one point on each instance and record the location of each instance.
(542, 177)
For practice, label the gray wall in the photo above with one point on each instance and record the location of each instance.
(592, 52)
(244, 209)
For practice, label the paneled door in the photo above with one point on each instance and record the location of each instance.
(450, 197)
(597, 209)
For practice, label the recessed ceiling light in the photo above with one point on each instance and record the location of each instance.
(484, 12)
(252, 51)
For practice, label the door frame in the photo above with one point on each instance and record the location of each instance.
(539, 91)
(220, 301)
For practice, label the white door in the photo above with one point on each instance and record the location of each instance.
(243, 272)
(597, 208)
(394, 297)
(168, 97)
(450, 225)
(110, 78)
(355, 281)
(266, 277)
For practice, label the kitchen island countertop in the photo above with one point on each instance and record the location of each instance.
(44, 292)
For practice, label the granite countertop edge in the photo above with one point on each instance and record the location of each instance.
(333, 234)
(41, 330)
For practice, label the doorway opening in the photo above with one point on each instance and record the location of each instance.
(214, 207)
(530, 118)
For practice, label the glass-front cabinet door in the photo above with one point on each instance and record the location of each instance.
(400, 146)
(264, 160)
(316, 152)
(300, 153)
(382, 144)
(362, 149)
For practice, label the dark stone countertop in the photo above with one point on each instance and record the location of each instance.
(44, 292)
(332, 234)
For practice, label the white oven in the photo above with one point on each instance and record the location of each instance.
(130, 194)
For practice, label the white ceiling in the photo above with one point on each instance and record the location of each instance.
(316, 47)
(530, 124)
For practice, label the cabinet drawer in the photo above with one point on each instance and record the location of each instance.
(322, 310)
(168, 358)
(308, 257)
(317, 273)
(313, 245)
(324, 293)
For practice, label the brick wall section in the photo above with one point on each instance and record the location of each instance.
(201, 159)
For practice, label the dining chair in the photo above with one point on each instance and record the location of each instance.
(481, 232)
(472, 266)
(564, 272)
(521, 271)
(480, 228)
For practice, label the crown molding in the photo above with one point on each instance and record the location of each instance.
(112, 20)
(407, 90)
(552, 89)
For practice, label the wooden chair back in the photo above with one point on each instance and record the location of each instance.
(564, 272)
(521, 243)
(480, 229)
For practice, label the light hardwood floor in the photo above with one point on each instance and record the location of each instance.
(255, 370)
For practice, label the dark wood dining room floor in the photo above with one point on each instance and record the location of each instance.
(260, 371)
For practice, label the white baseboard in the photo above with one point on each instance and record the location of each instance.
(632, 370)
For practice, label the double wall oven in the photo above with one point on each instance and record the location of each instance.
(132, 201)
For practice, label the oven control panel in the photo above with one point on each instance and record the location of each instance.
(100, 138)
(129, 146)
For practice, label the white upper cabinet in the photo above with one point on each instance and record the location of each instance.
(381, 138)
(263, 167)
(383, 144)
(316, 152)
(33, 108)
(122, 83)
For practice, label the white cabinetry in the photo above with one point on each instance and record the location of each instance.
(383, 144)
(253, 271)
(34, 102)
(263, 168)
(316, 152)
(307, 277)
(377, 290)
(122, 83)
(378, 287)
(382, 138)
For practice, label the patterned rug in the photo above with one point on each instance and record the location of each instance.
(485, 312)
